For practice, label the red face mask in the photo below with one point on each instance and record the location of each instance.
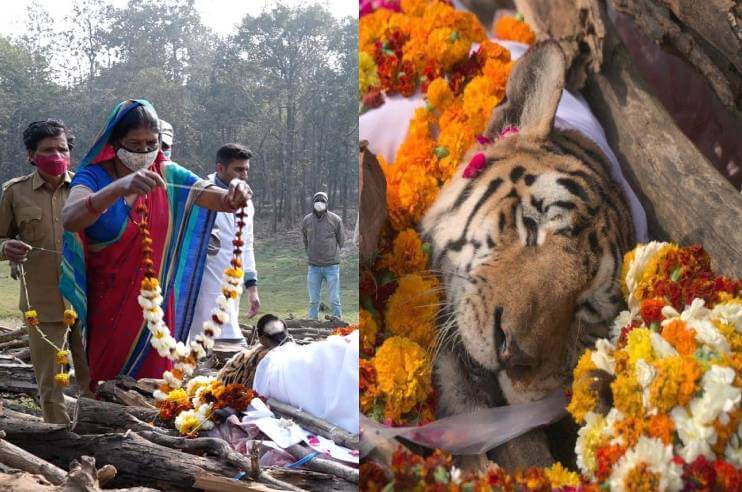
(54, 165)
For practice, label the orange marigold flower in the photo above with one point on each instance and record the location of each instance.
(407, 254)
(439, 94)
(661, 427)
(651, 310)
(368, 389)
(512, 29)
(404, 375)
(681, 338)
(411, 310)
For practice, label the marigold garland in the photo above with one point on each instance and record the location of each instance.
(62, 355)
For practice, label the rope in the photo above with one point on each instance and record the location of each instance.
(303, 461)
(43, 335)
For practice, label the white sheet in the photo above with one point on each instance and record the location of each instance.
(320, 378)
(385, 128)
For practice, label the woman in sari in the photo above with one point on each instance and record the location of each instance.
(102, 259)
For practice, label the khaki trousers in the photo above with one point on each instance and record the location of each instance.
(51, 394)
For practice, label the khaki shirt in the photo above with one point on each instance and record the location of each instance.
(31, 211)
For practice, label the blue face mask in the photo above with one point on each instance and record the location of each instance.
(167, 153)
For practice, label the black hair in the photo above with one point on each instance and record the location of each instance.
(139, 117)
(277, 338)
(232, 152)
(39, 130)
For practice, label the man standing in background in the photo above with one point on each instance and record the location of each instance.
(232, 161)
(31, 235)
(167, 135)
(323, 236)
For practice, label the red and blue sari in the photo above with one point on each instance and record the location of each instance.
(102, 266)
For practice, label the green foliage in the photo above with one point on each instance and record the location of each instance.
(283, 83)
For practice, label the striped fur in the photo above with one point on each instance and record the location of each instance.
(529, 252)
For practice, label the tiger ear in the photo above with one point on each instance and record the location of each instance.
(533, 92)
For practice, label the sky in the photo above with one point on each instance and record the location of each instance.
(220, 15)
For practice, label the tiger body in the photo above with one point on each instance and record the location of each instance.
(529, 251)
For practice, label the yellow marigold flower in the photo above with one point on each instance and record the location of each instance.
(641, 478)
(414, 8)
(150, 283)
(512, 29)
(179, 396)
(62, 378)
(407, 254)
(62, 357)
(414, 193)
(439, 94)
(630, 429)
(674, 383)
(730, 333)
(590, 438)
(70, 316)
(368, 75)
(371, 28)
(404, 376)
(234, 272)
(583, 396)
(628, 259)
(188, 422)
(627, 395)
(561, 477)
(639, 345)
(410, 311)
(448, 47)
(369, 331)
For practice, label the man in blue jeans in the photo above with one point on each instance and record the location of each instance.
(323, 236)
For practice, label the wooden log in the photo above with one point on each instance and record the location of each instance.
(686, 200)
(21, 459)
(706, 34)
(110, 391)
(222, 449)
(17, 343)
(315, 424)
(372, 202)
(324, 466)
(13, 334)
(138, 460)
(17, 378)
(101, 417)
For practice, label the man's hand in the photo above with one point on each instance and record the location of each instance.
(140, 182)
(252, 297)
(237, 195)
(16, 251)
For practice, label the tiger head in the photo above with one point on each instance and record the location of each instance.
(530, 249)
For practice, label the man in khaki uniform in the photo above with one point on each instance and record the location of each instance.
(30, 218)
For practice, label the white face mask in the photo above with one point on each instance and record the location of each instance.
(135, 160)
(320, 206)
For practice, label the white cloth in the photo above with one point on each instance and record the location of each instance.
(385, 128)
(320, 378)
(217, 261)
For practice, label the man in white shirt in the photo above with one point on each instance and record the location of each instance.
(232, 161)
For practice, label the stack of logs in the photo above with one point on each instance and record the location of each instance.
(115, 441)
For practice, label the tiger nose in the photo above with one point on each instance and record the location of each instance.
(508, 351)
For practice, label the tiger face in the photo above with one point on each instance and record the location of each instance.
(529, 251)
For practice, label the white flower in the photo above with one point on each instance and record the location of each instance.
(198, 380)
(220, 315)
(144, 302)
(159, 395)
(729, 313)
(658, 459)
(614, 417)
(602, 356)
(661, 346)
(222, 302)
(171, 380)
(696, 436)
(455, 475)
(698, 317)
(198, 350)
(209, 342)
(719, 395)
(645, 374)
(181, 350)
(209, 325)
(623, 319)
(594, 427)
(643, 255)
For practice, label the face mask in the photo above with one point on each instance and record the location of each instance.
(320, 206)
(167, 153)
(54, 165)
(136, 160)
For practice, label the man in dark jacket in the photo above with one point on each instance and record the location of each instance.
(323, 236)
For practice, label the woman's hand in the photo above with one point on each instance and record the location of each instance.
(237, 195)
(140, 182)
